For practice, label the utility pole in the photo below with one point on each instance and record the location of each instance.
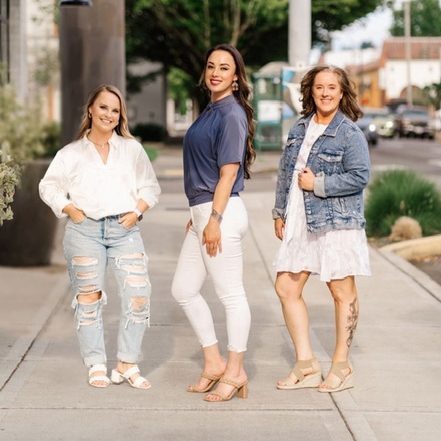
(408, 50)
(92, 52)
(299, 37)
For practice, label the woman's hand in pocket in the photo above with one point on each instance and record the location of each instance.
(128, 220)
(75, 214)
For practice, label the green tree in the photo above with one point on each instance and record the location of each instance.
(20, 140)
(177, 33)
(433, 94)
(425, 19)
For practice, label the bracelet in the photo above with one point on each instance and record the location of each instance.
(215, 215)
(138, 213)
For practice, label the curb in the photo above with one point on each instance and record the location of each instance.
(416, 248)
(421, 278)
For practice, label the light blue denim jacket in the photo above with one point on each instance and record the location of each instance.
(340, 162)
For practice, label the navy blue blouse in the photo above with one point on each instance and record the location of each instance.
(217, 137)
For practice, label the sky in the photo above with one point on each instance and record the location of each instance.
(374, 27)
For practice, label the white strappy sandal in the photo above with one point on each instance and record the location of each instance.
(138, 383)
(94, 378)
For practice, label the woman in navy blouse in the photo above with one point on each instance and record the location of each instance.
(218, 152)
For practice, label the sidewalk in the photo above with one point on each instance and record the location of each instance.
(396, 351)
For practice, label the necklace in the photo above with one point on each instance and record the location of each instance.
(100, 146)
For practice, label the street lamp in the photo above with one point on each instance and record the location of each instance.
(75, 2)
(408, 50)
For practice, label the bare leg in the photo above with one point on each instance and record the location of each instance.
(289, 288)
(344, 292)
(234, 372)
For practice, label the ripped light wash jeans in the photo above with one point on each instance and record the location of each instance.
(89, 247)
(225, 270)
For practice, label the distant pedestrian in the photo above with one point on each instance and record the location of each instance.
(218, 152)
(104, 182)
(319, 219)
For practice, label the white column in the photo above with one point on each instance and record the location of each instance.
(18, 68)
(408, 50)
(299, 38)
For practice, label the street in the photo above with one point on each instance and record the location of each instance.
(421, 155)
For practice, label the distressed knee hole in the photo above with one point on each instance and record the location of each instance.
(138, 303)
(87, 315)
(86, 275)
(133, 256)
(139, 311)
(89, 298)
(84, 260)
(87, 289)
(134, 269)
(136, 281)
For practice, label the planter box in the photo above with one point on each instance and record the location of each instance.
(27, 240)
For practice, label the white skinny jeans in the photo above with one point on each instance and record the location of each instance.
(225, 270)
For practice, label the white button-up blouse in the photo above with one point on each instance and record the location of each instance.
(78, 175)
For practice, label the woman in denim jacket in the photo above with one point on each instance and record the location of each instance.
(318, 216)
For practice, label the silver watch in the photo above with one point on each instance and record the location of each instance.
(138, 213)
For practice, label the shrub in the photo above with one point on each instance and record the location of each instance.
(20, 140)
(50, 139)
(397, 193)
(152, 152)
(149, 132)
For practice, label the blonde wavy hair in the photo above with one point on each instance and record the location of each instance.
(122, 128)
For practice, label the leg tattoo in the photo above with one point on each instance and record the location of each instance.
(352, 321)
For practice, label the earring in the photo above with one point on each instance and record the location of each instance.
(89, 115)
(235, 86)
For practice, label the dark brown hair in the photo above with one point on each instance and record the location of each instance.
(348, 104)
(243, 96)
(123, 124)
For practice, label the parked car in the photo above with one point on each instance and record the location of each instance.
(374, 123)
(414, 121)
(385, 123)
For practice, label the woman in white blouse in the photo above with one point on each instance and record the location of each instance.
(103, 183)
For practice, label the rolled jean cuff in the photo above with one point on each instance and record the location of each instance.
(90, 361)
(129, 358)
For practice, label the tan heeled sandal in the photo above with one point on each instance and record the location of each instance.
(346, 381)
(241, 390)
(298, 380)
(213, 380)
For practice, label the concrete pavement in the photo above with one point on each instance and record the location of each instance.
(396, 351)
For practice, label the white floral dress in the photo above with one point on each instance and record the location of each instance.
(332, 255)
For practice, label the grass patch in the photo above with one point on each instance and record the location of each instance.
(398, 193)
(152, 152)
